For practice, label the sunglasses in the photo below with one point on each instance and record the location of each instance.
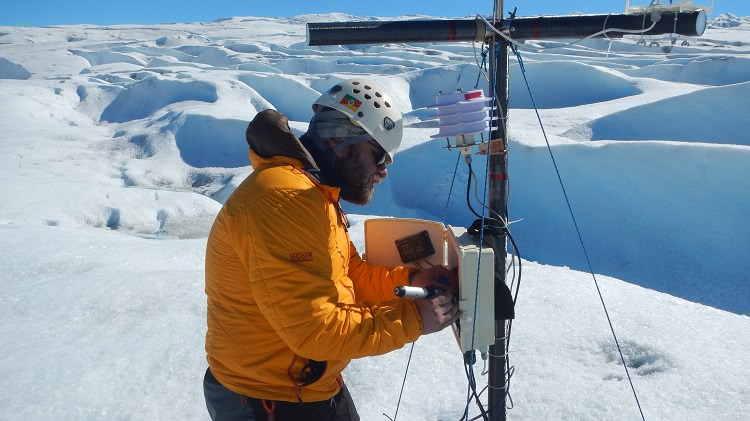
(382, 154)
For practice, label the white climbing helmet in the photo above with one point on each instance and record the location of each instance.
(371, 107)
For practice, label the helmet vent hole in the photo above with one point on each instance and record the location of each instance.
(377, 94)
(356, 91)
(367, 87)
(355, 82)
(376, 104)
(361, 114)
(387, 104)
(367, 96)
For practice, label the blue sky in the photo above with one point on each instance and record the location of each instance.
(47, 12)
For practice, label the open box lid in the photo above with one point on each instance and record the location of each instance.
(382, 237)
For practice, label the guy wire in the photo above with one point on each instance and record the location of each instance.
(411, 351)
(580, 237)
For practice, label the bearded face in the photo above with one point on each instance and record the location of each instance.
(360, 167)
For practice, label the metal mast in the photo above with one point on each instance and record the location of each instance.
(498, 202)
(691, 23)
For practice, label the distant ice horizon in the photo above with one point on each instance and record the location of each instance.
(140, 12)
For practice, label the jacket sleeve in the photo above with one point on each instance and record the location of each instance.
(288, 247)
(372, 283)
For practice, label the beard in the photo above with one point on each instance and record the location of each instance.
(359, 186)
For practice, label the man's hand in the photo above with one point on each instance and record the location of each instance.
(437, 312)
(437, 276)
(440, 311)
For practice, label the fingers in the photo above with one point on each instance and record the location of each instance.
(450, 310)
(436, 276)
(448, 307)
(437, 312)
(443, 299)
(454, 315)
(449, 317)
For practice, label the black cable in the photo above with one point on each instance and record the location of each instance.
(450, 191)
(492, 408)
(510, 322)
(518, 256)
(480, 415)
(476, 396)
(465, 414)
(468, 195)
(494, 227)
(473, 385)
(518, 287)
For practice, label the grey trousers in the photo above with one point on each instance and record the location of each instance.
(225, 405)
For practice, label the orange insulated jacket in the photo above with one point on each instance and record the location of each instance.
(285, 285)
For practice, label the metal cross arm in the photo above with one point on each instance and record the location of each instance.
(521, 28)
(378, 32)
(613, 25)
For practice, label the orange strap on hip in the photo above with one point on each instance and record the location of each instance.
(269, 406)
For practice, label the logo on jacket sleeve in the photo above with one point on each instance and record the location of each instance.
(305, 256)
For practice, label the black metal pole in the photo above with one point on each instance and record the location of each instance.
(498, 202)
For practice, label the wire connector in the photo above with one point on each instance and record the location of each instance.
(655, 16)
(470, 357)
(465, 143)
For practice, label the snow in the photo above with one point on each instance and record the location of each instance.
(120, 143)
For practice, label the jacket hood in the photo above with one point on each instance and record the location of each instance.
(272, 141)
(269, 136)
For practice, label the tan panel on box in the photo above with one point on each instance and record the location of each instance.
(381, 235)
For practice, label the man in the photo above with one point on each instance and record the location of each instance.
(290, 301)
